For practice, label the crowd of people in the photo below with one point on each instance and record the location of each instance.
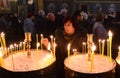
(67, 28)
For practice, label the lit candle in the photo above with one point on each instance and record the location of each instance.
(84, 47)
(103, 45)
(38, 44)
(41, 40)
(20, 46)
(1, 60)
(11, 48)
(13, 62)
(92, 57)
(68, 48)
(36, 41)
(100, 46)
(51, 39)
(108, 54)
(1, 42)
(110, 40)
(23, 46)
(54, 46)
(3, 39)
(49, 48)
(15, 47)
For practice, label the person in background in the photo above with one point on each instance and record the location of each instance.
(16, 26)
(51, 24)
(29, 26)
(40, 22)
(69, 33)
(99, 32)
(81, 18)
(60, 16)
(2, 23)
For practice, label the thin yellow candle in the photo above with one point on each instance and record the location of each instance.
(100, 46)
(38, 44)
(1, 42)
(15, 47)
(54, 46)
(110, 40)
(36, 41)
(3, 39)
(11, 46)
(20, 46)
(92, 58)
(51, 39)
(84, 47)
(41, 40)
(1, 60)
(13, 62)
(108, 54)
(103, 45)
(23, 46)
(49, 48)
(68, 48)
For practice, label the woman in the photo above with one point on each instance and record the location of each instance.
(65, 35)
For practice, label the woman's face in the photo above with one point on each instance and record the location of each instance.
(68, 27)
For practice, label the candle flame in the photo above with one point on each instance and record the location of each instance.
(93, 48)
(38, 44)
(110, 34)
(68, 47)
(2, 34)
(99, 40)
(119, 47)
(84, 43)
(11, 46)
(103, 41)
(51, 36)
(41, 35)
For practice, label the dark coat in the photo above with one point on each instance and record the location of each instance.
(62, 40)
